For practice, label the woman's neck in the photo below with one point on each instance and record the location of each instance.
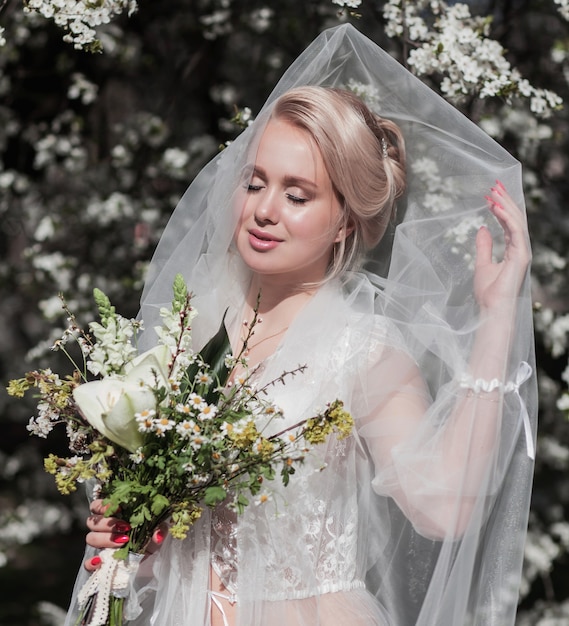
(276, 304)
(277, 308)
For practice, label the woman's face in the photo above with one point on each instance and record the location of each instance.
(290, 218)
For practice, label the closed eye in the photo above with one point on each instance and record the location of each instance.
(296, 199)
(252, 188)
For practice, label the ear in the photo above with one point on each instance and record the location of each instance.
(345, 231)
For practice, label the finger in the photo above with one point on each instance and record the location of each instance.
(100, 523)
(505, 208)
(484, 245)
(100, 539)
(93, 563)
(97, 507)
(512, 220)
(158, 537)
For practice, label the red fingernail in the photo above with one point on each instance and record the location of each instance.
(121, 539)
(159, 536)
(96, 560)
(500, 184)
(497, 191)
(121, 527)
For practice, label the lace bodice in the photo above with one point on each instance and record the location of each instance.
(308, 539)
(224, 547)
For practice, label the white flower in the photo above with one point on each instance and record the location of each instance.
(196, 402)
(457, 47)
(110, 405)
(187, 428)
(262, 498)
(41, 425)
(203, 378)
(197, 442)
(175, 159)
(207, 412)
(351, 4)
(137, 456)
(260, 19)
(79, 18)
(162, 425)
(227, 428)
(145, 420)
(82, 89)
(563, 402)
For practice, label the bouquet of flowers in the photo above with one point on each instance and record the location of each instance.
(163, 433)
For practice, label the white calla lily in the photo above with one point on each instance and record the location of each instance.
(110, 405)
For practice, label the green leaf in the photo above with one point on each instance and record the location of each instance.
(121, 553)
(241, 503)
(140, 516)
(214, 495)
(267, 472)
(214, 353)
(159, 503)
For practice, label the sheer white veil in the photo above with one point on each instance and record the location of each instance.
(426, 292)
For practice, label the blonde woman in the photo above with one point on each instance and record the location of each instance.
(419, 517)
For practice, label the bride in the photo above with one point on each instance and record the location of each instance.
(419, 516)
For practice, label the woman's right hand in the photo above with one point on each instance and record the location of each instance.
(104, 532)
(112, 532)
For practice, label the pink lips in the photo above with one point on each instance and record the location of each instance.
(262, 241)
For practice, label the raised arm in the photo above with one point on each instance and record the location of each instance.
(436, 458)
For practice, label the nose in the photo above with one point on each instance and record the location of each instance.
(267, 207)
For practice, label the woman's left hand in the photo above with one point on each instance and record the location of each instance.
(497, 284)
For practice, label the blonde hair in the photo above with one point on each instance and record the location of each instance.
(364, 155)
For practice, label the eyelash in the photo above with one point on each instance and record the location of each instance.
(296, 199)
(290, 197)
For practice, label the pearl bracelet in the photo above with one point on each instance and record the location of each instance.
(480, 384)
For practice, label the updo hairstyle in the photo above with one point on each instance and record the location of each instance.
(364, 155)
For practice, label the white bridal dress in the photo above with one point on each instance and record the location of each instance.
(393, 531)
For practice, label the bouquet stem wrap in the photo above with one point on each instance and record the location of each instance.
(107, 588)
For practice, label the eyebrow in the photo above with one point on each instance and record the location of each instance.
(288, 180)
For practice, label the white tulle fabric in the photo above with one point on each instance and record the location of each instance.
(408, 524)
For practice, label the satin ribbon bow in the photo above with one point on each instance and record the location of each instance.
(523, 373)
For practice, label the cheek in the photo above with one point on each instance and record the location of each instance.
(314, 226)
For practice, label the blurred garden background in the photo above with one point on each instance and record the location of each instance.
(100, 134)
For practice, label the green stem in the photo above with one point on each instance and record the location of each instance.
(116, 611)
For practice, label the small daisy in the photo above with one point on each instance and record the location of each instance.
(200, 479)
(196, 402)
(174, 385)
(186, 428)
(163, 425)
(262, 498)
(145, 420)
(185, 409)
(226, 429)
(197, 442)
(208, 412)
(204, 378)
(137, 456)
